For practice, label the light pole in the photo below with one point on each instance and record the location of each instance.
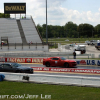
(46, 24)
(92, 33)
(78, 35)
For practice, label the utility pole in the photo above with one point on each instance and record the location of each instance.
(46, 24)
(92, 33)
(78, 35)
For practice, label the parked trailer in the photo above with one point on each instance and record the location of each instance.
(97, 46)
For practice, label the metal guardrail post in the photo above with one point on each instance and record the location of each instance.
(99, 56)
(88, 56)
(68, 56)
(36, 45)
(43, 47)
(22, 45)
(1, 45)
(8, 45)
(29, 45)
(15, 45)
(5, 54)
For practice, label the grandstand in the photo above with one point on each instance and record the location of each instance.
(19, 32)
(9, 29)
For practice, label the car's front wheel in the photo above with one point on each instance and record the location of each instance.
(66, 65)
(47, 64)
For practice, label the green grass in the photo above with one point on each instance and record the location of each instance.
(63, 42)
(57, 92)
(71, 40)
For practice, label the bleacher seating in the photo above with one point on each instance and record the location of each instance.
(9, 28)
(30, 31)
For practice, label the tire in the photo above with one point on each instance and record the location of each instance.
(66, 65)
(47, 64)
(18, 71)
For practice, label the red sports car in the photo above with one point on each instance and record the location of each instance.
(59, 61)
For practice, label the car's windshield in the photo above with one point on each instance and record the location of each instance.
(62, 58)
(16, 65)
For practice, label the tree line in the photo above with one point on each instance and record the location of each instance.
(2, 15)
(70, 30)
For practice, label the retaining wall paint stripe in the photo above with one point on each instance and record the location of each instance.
(93, 71)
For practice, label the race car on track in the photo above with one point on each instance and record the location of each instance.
(15, 67)
(59, 61)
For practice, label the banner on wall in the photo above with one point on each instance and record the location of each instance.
(75, 70)
(40, 60)
(88, 62)
(25, 60)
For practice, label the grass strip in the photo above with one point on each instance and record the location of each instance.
(44, 91)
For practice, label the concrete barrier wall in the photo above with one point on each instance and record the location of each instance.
(54, 79)
(40, 60)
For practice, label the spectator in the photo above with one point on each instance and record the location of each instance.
(2, 43)
(22, 17)
(74, 55)
(31, 42)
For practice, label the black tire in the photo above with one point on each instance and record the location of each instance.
(66, 65)
(47, 64)
(18, 71)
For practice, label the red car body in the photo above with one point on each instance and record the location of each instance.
(59, 61)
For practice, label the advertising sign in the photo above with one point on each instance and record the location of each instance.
(24, 60)
(40, 60)
(74, 70)
(13, 8)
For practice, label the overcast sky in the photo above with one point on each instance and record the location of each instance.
(61, 11)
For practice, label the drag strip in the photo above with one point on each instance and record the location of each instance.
(71, 76)
(71, 73)
(78, 67)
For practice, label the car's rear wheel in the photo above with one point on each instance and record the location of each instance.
(66, 65)
(47, 64)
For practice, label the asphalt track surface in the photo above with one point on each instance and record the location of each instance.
(64, 73)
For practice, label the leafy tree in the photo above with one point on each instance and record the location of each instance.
(97, 30)
(85, 30)
(2, 15)
(70, 29)
(40, 29)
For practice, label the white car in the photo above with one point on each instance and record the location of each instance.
(67, 40)
(76, 47)
(87, 42)
(93, 42)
